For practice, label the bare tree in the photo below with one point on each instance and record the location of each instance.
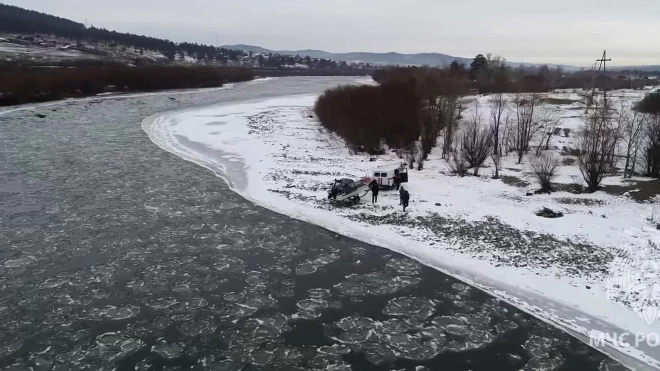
(498, 106)
(420, 155)
(544, 169)
(554, 78)
(632, 130)
(526, 123)
(410, 155)
(596, 144)
(476, 142)
(428, 88)
(506, 137)
(450, 107)
(497, 163)
(550, 119)
(651, 146)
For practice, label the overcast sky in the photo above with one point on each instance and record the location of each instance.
(558, 31)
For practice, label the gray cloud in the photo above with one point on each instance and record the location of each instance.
(562, 31)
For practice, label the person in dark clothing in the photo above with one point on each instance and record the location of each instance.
(401, 190)
(397, 181)
(334, 191)
(405, 198)
(374, 191)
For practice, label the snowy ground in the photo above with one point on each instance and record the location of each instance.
(592, 271)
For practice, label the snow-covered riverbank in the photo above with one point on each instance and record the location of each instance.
(481, 230)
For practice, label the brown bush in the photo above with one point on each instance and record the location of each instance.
(650, 104)
(24, 85)
(366, 116)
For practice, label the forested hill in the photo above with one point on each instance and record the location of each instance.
(15, 19)
(18, 20)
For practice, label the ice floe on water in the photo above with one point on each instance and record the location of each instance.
(167, 351)
(111, 312)
(374, 284)
(19, 262)
(410, 307)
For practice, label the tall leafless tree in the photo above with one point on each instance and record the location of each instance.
(498, 108)
(476, 142)
(497, 163)
(651, 146)
(526, 122)
(450, 107)
(596, 144)
(632, 132)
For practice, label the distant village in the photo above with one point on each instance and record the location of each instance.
(38, 47)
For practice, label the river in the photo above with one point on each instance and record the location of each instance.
(118, 255)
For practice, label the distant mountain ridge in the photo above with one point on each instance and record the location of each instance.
(391, 58)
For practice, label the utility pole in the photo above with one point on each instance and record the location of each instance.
(601, 63)
(604, 61)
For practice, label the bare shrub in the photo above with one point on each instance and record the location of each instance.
(456, 164)
(544, 169)
(596, 144)
(476, 142)
(550, 120)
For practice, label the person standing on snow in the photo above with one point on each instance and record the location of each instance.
(374, 191)
(405, 198)
(401, 190)
(397, 181)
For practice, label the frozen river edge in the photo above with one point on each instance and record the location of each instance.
(234, 169)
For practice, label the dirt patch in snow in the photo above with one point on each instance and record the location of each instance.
(638, 191)
(501, 243)
(559, 101)
(580, 201)
(515, 181)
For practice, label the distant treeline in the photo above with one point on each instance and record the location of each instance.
(20, 85)
(495, 76)
(282, 72)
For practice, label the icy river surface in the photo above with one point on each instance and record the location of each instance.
(116, 254)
